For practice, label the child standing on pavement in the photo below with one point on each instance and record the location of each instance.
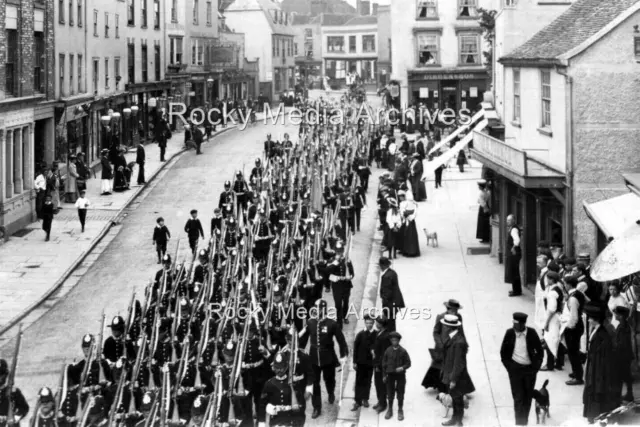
(82, 204)
(48, 210)
(161, 236)
(395, 363)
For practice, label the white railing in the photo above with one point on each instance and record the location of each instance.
(501, 153)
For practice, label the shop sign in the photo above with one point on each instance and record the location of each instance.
(443, 76)
(222, 54)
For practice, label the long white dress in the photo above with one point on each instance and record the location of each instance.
(552, 336)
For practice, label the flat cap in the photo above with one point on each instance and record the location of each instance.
(519, 317)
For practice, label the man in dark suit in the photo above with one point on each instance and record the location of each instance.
(455, 376)
(521, 355)
(161, 138)
(390, 293)
(140, 159)
(363, 363)
(380, 345)
(198, 137)
(321, 331)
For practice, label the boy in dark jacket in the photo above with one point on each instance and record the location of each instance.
(363, 363)
(395, 363)
(194, 230)
(161, 236)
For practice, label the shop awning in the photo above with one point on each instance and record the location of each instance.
(614, 216)
(451, 153)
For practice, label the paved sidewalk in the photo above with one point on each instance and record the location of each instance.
(30, 268)
(477, 282)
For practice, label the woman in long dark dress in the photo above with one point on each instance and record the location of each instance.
(120, 181)
(432, 378)
(48, 211)
(483, 228)
(410, 241)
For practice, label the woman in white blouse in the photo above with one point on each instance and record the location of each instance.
(394, 224)
(540, 314)
(615, 299)
(410, 240)
(554, 304)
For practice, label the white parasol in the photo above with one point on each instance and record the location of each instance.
(620, 258)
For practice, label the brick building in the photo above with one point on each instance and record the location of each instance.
(26, 110)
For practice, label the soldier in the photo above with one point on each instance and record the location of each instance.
(340, 275)
(216, 221)
(68, 405)
(346, 213)
(201, 270)
(240, 188)
(280, 403)
(231, 235)
(303, 374)
(258, 171)
(224, 374)
(187, 390)
(164, 351)
(97, 413)
(139, 418)
(45, 412)
(263, 238)
(269, 147)
(278, 321)
(96, 375)
(164, 274)
(227, 198)
(321, 331)
(186, 328)
(119, 373)
(198, 411)
(254, 366)
(117, 346)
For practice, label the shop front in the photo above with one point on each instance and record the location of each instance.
(235, 84)
(138, 126)
(309, 73)
(457, 89)
(530, 191)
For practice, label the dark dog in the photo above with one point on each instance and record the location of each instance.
(542, 403)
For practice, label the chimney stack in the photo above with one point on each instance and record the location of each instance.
(364, 7)
(374, 9)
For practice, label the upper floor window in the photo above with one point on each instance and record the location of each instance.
(156, 14)
(157, 62)
(95, 78)
(143, 13)
(11, 63)
(106, 24)
(368, 44)
(295, 49)
(467, 8)
(209, 12)
(106, 73)
(131, 12)
(71, 12)
(352, 44)
(38, 62)
(427, 8)
(131, 62)
(174, 10)
(509, 3)
(196, 7)
(80, 13)
(308, 33)
(95, 22)
(61, 61)
(61, 11)
(516, 95)
(469, 49)
(545, 79)
(175, 50)
(335, 44)
(427, 49)
(117, 26)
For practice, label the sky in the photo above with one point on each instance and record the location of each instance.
(353, 2)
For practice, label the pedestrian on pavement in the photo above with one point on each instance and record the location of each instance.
(395, 363)
(454, 368)
(40, 185)
(438, 171)
(551, 332)
(53, 186)
(380, 345)
(321, 332)
(161, 138)
(521, 354)
(623, 354)
(82, 204)
(107, 173)
(363, 363)
(483, 226)
(599, 395)
(513, 257)
(433, 377)
(394, 225)
(194, 230)
(573, 328)
(140, 160)
(197, 138)
(390, 293)
(71, 184)
(462, 160)
(48, 212)
(84, 172)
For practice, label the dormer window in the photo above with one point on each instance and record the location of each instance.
(636, 47)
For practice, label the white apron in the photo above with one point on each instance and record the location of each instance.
(540, 313)
(552, 336)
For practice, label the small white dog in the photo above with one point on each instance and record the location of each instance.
(447, 402)
(431, 238)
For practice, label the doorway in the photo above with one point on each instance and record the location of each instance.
(449, 95)
(39, 139)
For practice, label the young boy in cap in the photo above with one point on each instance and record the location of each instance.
(194, 230)
(363, 363)
(161, 236)
(395, 363)
(82, 204)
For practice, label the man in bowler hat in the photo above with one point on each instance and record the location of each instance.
(390, 293)
(521, 354)
(455, 376)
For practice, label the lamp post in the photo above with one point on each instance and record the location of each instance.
(134, 119)
(127, 117)
(210, 86)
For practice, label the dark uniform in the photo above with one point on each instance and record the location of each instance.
(240, 189)
(277, 398)
(45, 416)
(227, 198)
(263, 240)
(194, 230)
(116, 348)
(321, 333)
(340, 274)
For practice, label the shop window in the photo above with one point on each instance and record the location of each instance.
(427, 9)
(469, 49)
(369, 44)
(131, 62)
(335, 44)
(545, 78)
(145, 63)
(467, 8)
(516, 95)
(427, 49)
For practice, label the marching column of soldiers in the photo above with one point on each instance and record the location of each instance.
(220, 339)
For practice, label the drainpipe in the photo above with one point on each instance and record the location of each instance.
(569, 160)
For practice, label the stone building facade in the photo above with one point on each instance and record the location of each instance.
(26, 110)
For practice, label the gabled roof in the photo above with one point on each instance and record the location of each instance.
(577, 25)
(363, 20)
(268, 7)
(334, 19)
(301, 19)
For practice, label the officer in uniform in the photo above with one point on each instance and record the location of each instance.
(346, 213)
(303, 374)
(269, 147)
(240, 188)
(45, 415)
(223, 374)
(257, 172)
(340, 275)
(139, 418)
(165, 271)
(185, 328)
(187, 391)
(117, 346)
(278, 322)
(68, 408)
(95, 380)
(280, 405)
(227, 200)
(198, 411)
(119, 370)
(321, 331)
(254, 367)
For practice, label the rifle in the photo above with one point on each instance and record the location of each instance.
(136, 371)
(118, 397)
(150, 421)
(83, 378)
(101, 376)
(175, 256)
(10, 382)
(129, 321)
(61, 394)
